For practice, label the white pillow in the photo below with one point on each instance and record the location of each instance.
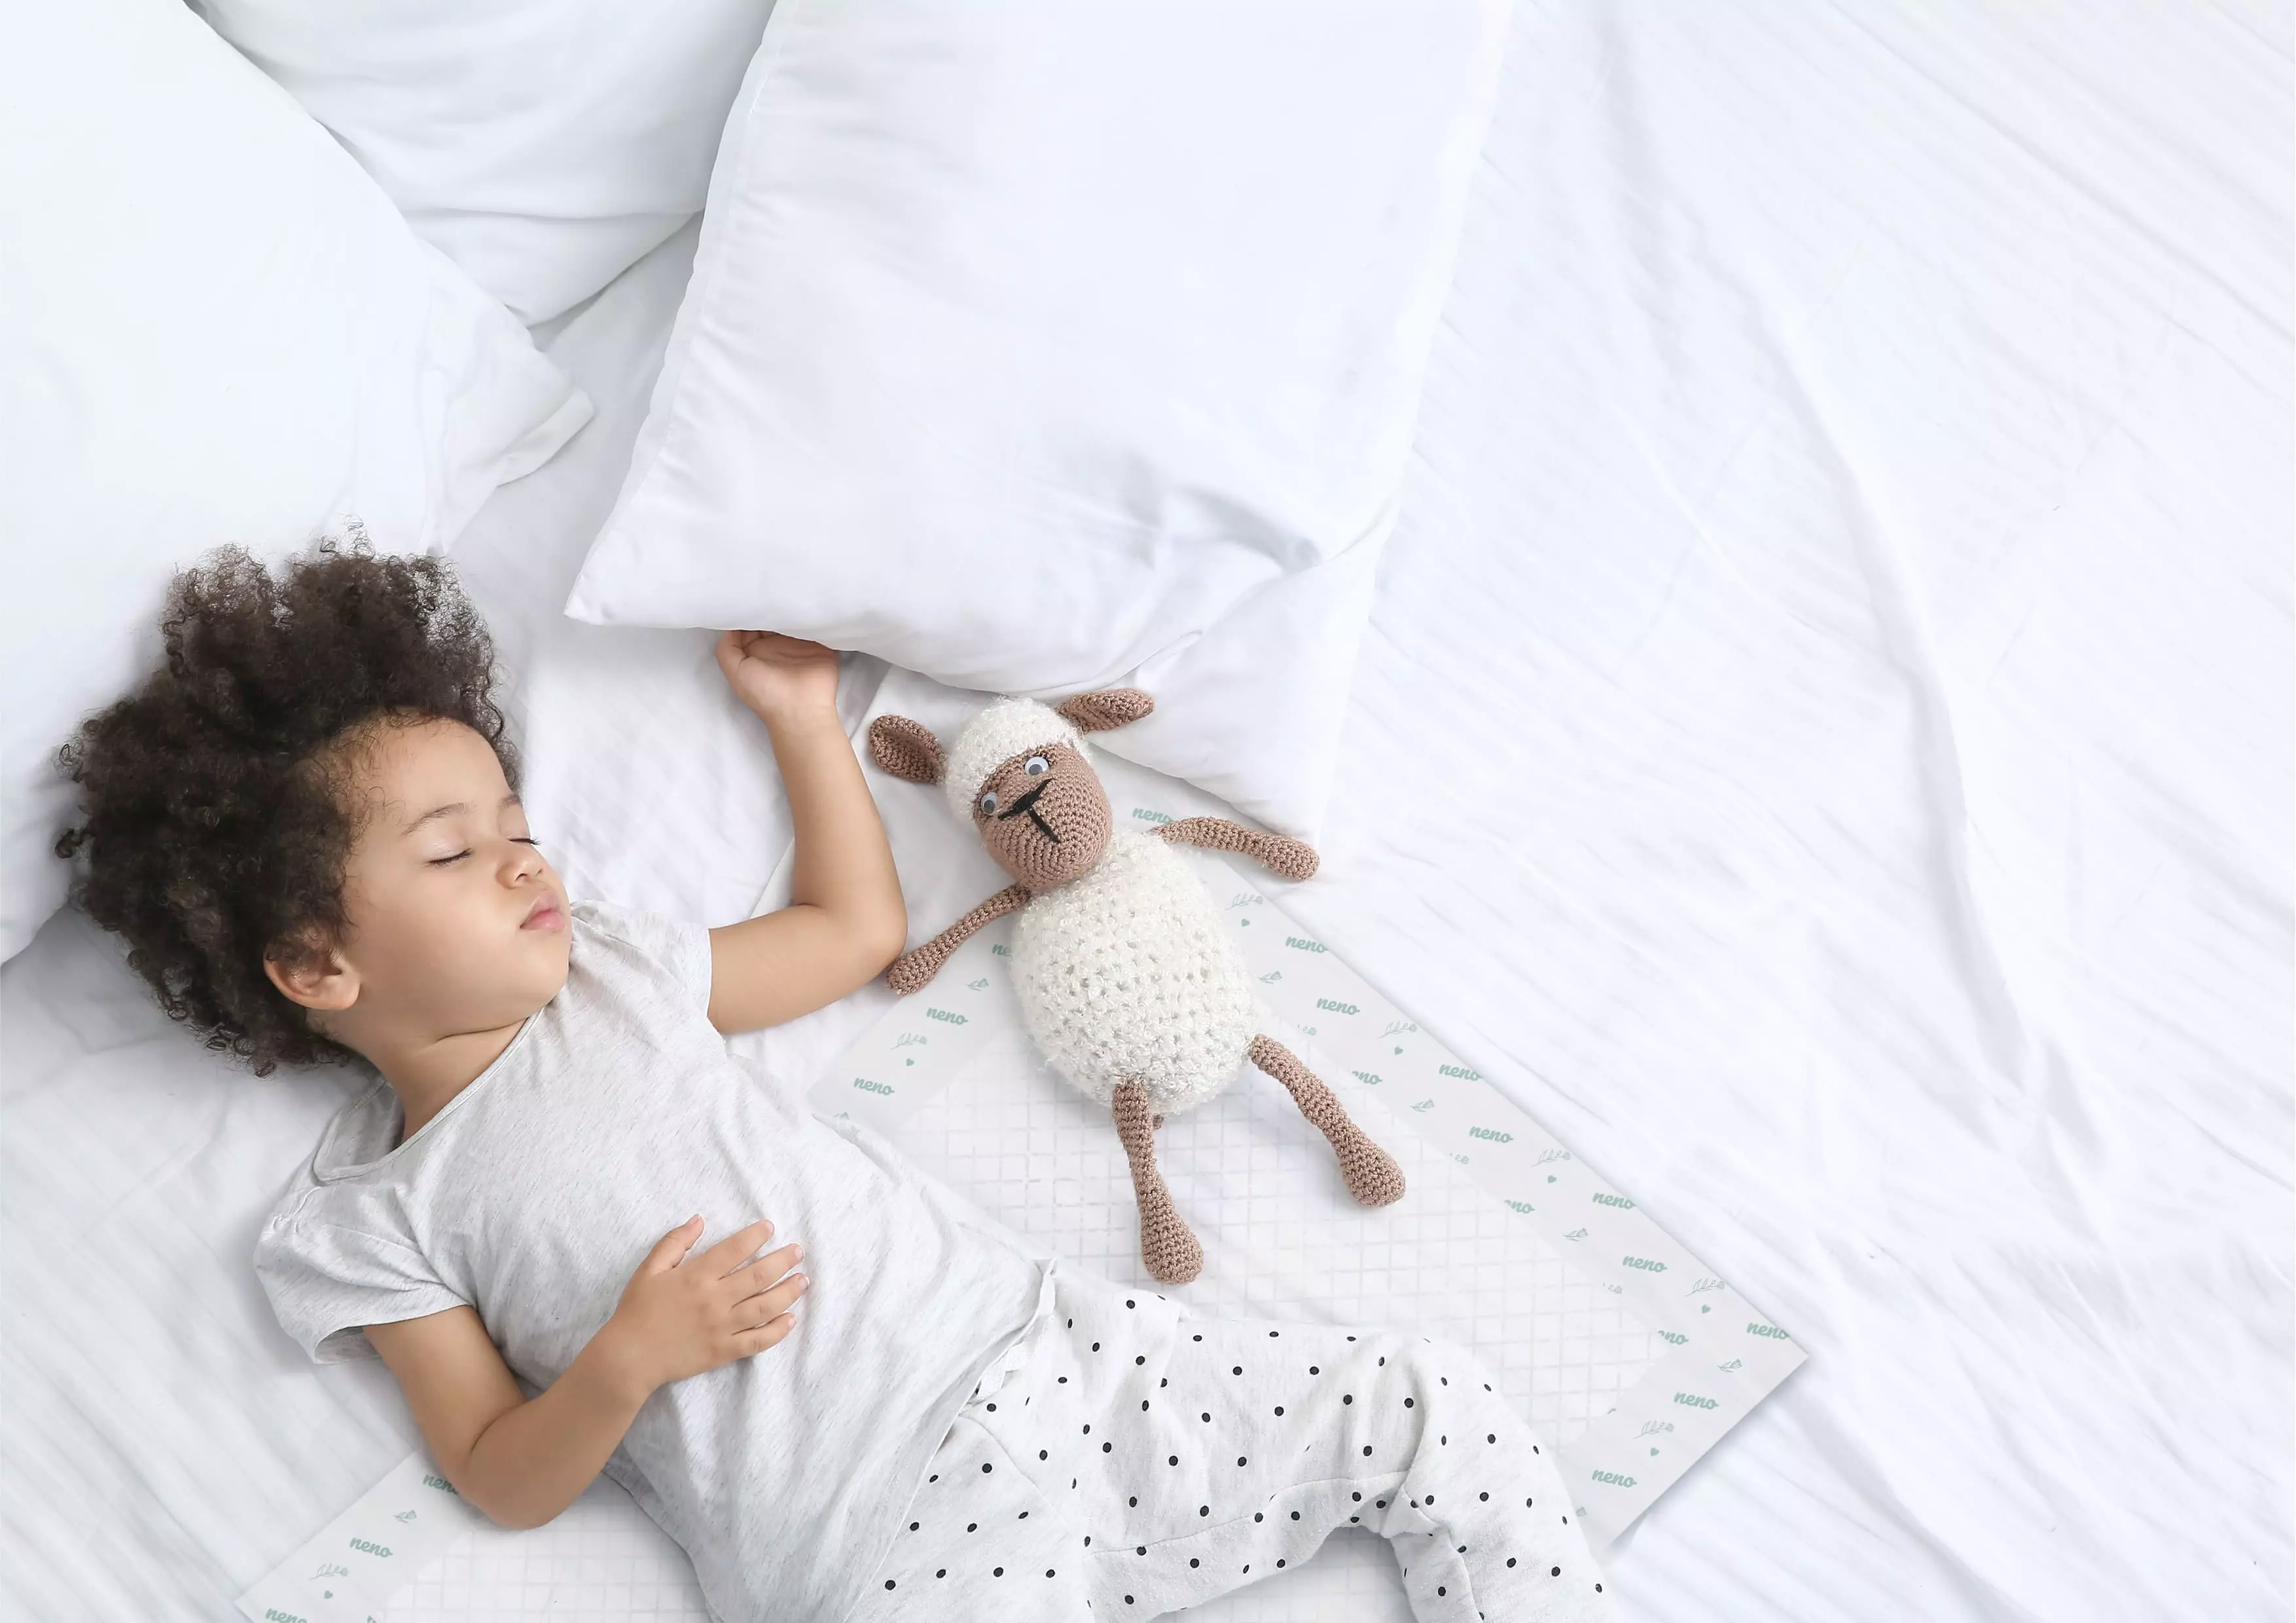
(215, 329)
(1037, 346)
(543, 144)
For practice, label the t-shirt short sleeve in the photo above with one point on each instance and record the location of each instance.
(326, 1281)
(679, 947)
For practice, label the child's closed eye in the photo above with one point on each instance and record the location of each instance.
(447, 862)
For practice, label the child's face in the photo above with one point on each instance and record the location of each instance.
(457, 923)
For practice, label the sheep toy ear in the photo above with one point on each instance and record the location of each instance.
(906, 748)
(1111, 707)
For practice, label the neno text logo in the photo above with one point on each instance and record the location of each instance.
(1674, 1336)
(440, 1482)
(1145, 816)
(1614, 1478)
(1305, 945)
(1370, 1076)
(867, 1086)
(1643, 1263)
(1335, 1006)
(371, 1549)
(943, 1014)
(1460, 1071)
(1522, 1205)
(272, 1614)
(1619, 1201)
(1771, 1330)
(1692, 1400)
(1493, 1134)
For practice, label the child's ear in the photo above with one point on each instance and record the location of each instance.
(906, 748)
(316, 977)
(1111, 707)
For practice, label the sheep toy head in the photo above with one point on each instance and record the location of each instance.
(1126, 976)
(1020, 777)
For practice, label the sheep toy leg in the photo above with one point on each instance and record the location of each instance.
(1370, 1172)
(1167, 1244)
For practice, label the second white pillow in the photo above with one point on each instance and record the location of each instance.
(1038, 346)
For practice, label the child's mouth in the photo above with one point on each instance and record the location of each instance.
(544, 916)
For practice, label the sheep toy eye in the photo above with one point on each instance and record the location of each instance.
(1035, 766)
(988, 804)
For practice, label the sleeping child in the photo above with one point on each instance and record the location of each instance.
(585, 1240)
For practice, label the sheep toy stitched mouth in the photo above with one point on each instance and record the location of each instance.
(1028, 803)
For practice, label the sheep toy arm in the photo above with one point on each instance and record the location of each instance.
(1280, 854)
(914, 969)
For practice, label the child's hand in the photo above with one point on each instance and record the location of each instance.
(778, 675)
(677, 1318)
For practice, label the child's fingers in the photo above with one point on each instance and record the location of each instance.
(769, 1334)
(770, 1303)
(735, 1248)
(755, 1275)
(671, 1246)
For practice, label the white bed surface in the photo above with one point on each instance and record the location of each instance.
(1823, 747)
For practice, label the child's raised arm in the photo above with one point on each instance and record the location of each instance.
(845, 921)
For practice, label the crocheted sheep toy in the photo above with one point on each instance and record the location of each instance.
(1127, 982)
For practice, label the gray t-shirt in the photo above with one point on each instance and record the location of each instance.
(614, 1115)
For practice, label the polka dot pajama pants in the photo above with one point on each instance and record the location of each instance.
(1131, 1459)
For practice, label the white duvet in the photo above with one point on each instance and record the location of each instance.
(1821, 748)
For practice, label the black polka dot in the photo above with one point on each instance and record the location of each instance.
(1446, 1380)
(1087, 1541)
(1143, 1406)
(1279, 1409)
(1128, 1302)
(1557, 1572)
(992, 1408)
(1279, 1560)
(1192, 1560)
(972, 1527)
(1140, 1550)
(934, 1478)
(1087, 1430)
(1366, 1451)
(1491, 1436)
(1410, 1403)
(1208, 1417)
(1271, 1335)
(1095, 1347)
(1238, 1370)
(1510, 1561)
(1352, 1338)
(1347, 1397)
(1444, 1440)
(1486, 1386)
(1043, 1453)
(1313, 1370)
(1430, 1498)
(1357, 1497)
(1257, 1516)
(1140, 1357)
(1135, 1502)
(1173, 1461)
(1485, 1497)
(999, 1573)
(1440, 1590)
(1073, 1326)
(1048, 1572)
(1241, 1458)
(1380, 1503)
(1127, 1600)
(1382, 1360)
(912, 1526)
(888, 1583)
(1295, 1515)
(1166, 1381)
(942, 1572)
(1598, 1589)
(1064, 1379)
(1203, 1510)
(1108, 1447)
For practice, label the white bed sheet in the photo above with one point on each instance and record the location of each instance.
(1821, 748)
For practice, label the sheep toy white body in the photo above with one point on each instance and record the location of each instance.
(1127, 982)
(1126, 975)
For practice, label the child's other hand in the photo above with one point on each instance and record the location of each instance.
(776, 675)
(679, 1318)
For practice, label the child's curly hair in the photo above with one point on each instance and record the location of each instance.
(214, 818)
